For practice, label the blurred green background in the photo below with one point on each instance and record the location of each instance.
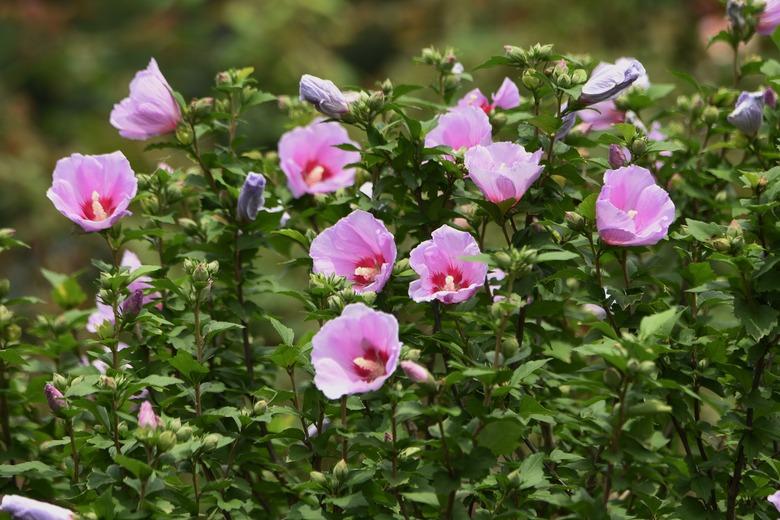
(66, 62)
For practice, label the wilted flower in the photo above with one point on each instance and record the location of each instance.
(54, 397)
(416, 372)
(748, 112)
(310, 159)
(324, 95)
(619, 156)
(355, 352)
(503, 170)
(251, 198)
(147, 417)
(358, 247)
(93, 191)
(608, 80)
(444, 275)
(600, 116)
(21, 508)
(460, 129)
(632, 210)
(150, 109)
(769, 18)
(506, 97)
(774, 499)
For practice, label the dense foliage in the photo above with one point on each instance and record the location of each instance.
(512, 315)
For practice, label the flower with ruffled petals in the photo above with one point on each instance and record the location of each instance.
(93, 191)
(310, 159)
(608, 80)
(632, 210)
(460, 129)
(503, 170)
(774, 499)
(358, 247)
(506, 97)
(444, 274)
(150, 109)
(22, 508)
(356, 352)
(769, 18)
(748, 113)
(147, 418)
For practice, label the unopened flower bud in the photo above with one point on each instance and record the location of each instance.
(251, 198)
(211, 441)
(318, 477)
(417, 373)
(184, 134)
(574, 220)
(619, 156)
(722, 245)
(184, 433)
(579, 76)
(5, 287)
(531, 80)
(133, 304)
(639, 146)
(260, 407)
(710, 114)
(341, 470)
(166, 440)
(107, 382)
(413, 354)
(55, 398)
(612, 378)
(324, 95)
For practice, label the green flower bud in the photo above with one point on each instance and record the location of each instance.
(531, 80)
(579, 76)
(166, 440)
(107, 382)
(341, 470)
(123, 428)
(413, 354)
(184, 134)
(318, 477)
(684, 103)
(211, 441)
(639, 146)
(184, 433)
(509, 346)
(6, 315)
(5, 287)
(574, 220)
(632, 366)
(564, 81)
(612, 378)
(721, 244)
(260, 407)
(12, 333)
(710, 115)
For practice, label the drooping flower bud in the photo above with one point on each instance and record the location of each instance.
(748, 112)
(251, 198)
(324, 95)
(619, 156)
(55, 398)
(416, 372)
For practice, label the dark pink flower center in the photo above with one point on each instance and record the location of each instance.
(367, 269)
(371, 364)
(315, 172)
(486, 107)
(98, 207)
(450, 280)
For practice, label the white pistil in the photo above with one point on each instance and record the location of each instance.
(632, 213)
(373, 368)
(97, 208)
(369, 273)
(449, 283)
(315, 174)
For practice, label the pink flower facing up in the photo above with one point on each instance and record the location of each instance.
(632, 210)
(356, 352)
(460, 129)
(93, 191)
(21, 508)
(150, 109)
(769, 18)
(503, 171)
(506, 97)
(312, 163)
(358, 247)
(147, 417)
(444, 275)
(774, 499)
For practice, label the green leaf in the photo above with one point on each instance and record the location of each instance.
(33, 469)
(285, 332)
(157, 381)
(587, 208)
(702, 231)
(187, 365)
(215, 327)
(759, 320)
(501, 437)
(138, 468)
(292, 234)
(556, 256)
(531, 472)
(422, 497)
(658, 325)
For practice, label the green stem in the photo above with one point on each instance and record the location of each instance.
(199, 347)
(344, 440)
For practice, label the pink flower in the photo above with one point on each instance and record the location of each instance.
(416, 372)
(774, 499)
(355, 352)
(507, 97)
(444, 275)
(632, 210)
(769, 18)
(22, 508)
(150, 109)
(312, 163)
(503, 170)
(460, 129)
(600, 116)
(93, 191)
(147, 417)
(358, 247)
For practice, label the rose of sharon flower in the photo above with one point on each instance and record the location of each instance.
(444, 275)
(21, 508)
(774, 499)
(310, 159)
(93, 191)
(147, 417)
(632, 210)
(460, 129)
(608, 80)
(503, 170)
(358, 247)
(150, 109)
(769, 18)
(600, 116)
(356, 352)
(506, 97)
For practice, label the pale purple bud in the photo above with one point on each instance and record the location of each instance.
(324, 95)
(55, 398)
(416, 372)
(770, 97)
(748, 112)
(312, 430)
(147, 417)
(774, 499)
(608, 80)
(251, 198)
(133, 304)
(619, 156)
(596, 310)
(21, 508)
